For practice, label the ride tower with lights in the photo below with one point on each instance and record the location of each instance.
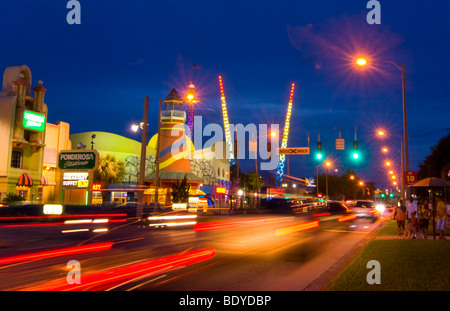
(282, 157)
(191, 101)
(226, 123)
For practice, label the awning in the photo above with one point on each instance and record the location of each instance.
(196, 192)
(25, 181)
(44, 181)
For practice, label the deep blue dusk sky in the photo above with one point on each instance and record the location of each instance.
(98, 73)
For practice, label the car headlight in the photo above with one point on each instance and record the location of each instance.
(380, 207)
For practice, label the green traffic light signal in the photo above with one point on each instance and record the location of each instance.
(383, 195)
(319, 154)
(391, 195)
(355, 154)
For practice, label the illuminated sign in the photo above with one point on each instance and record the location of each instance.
(409, 177)
(97, 187)
(74, 160)
(76, 176)
(52, 209)
(297, 150)
(75, 179)
(275, 191)
(33, 121)
(83, 183)
(221, 190)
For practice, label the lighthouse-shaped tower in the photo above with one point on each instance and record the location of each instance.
(174, 147)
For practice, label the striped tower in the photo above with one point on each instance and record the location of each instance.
(174, 148)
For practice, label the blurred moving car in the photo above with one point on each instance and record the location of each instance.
(337, 207)
(367, 209)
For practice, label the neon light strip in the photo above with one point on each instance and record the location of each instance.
(111, 277)
(173, 224)
(59, 252)
(282, 157)
(171, 217)
(62, 216)
(345, 218)
(226, 122)
(297, 228)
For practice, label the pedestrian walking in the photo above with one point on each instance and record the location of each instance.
(441, 213)
(400, 217)
(411, 232)
(412, 207)
(424, 218)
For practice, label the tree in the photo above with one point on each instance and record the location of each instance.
(437, 163)
(180, 191)
(12, 198)
(109, 171)
(250, 181)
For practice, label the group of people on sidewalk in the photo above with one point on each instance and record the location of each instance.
(418, 216)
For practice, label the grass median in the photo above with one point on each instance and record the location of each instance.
(405, 265)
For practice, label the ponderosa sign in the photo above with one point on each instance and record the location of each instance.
(73, 160)
(33, 121)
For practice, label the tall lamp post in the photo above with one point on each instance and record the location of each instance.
(363, 62)
(143, 151)
(402, 182)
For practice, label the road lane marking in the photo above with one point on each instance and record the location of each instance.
(346, 231)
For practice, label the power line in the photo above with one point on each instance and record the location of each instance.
(434, 132)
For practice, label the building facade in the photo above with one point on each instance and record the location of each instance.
(28, 143)
(22, 128)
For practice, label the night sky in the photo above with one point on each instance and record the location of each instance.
(98, 73)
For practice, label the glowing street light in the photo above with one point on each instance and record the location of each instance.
(384, 149)
(134, 127)
(388, 163)
(361, 61)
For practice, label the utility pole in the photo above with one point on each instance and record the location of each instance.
(157, 182)
(143, 151)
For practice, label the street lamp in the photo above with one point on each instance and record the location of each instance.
(388, 163)
(363, 62)
(328, 165)
(134, 127)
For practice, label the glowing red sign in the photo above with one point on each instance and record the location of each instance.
(221, 190)
(97, 187)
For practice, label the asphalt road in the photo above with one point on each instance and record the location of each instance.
(224, 253)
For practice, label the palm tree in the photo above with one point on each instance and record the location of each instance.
(180, 191)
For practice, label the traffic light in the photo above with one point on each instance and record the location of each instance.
(355, 154)
(391, 195)
(319, 154)
(383, 195)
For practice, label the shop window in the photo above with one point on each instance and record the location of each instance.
(39, 194)
(16, 158)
